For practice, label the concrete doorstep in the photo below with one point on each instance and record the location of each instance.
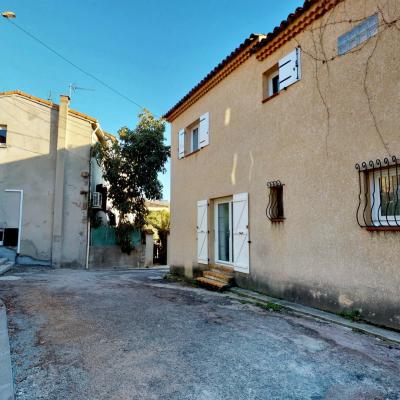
(256, 298)
(5, 265)
(6, 376)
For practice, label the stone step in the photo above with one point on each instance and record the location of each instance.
(219, 276)
(3, 260)
(6, 267)
(212, 283)
(221, 268)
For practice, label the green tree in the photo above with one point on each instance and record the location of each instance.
(159, 220)
(131, 166)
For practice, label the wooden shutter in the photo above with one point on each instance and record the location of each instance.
(204, 130)
(289, 69)
(202, 232)
(241, 240)
(181, 143)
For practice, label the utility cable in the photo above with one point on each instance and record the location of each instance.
(89, 74)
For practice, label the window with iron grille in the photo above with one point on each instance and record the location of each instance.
(379, 194)
(274, 209)
(359, 34)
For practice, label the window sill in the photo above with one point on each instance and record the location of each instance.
(267, 99)
(383, 228)
(271, 97)
(277, 220)
(191, 153)
(3, 146)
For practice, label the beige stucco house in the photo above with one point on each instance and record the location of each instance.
(264, 151)
(47, 179)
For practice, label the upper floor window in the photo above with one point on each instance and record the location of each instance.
(273, 83)
(359, 34)
(194, 137)
(379, 194)
(3, 135)
(286, 72)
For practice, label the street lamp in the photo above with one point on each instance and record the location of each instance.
(9, 14)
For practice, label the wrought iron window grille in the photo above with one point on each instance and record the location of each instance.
(274, 209)
(379, 194)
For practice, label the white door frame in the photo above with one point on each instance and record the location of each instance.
(21, 206)
(216, 203)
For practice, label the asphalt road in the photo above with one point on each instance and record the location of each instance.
(131, 335)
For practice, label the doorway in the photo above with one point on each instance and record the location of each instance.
(223, 231)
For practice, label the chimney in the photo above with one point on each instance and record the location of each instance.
(62, 131)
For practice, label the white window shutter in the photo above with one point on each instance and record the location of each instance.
(181, 143)
(289, 69)
(204, 130)
(202, 232)
(241, 240)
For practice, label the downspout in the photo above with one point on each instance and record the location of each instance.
(89, 200)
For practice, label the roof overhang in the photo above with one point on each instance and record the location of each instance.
(222, 70)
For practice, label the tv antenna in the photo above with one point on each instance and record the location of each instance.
(73, 88)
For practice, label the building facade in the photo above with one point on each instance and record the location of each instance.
(271, 171)
(45, 179)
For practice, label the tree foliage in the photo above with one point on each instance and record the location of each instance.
(131, 166)
(159, 221)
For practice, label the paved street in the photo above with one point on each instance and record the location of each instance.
(132, 335)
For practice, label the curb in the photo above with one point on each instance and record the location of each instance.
(6, 376)
(254, 298)
(127, 269)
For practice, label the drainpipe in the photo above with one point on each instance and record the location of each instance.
(88, 245)
(21, 207)
(89, 200)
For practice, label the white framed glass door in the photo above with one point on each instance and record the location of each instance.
(223, 232)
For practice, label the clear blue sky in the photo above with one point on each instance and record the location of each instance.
(152, 51)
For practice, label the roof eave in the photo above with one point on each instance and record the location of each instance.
(223, 69)
(266, 45)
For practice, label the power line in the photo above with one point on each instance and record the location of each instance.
(117, 92)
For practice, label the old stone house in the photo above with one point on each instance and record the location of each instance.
(285, 162)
